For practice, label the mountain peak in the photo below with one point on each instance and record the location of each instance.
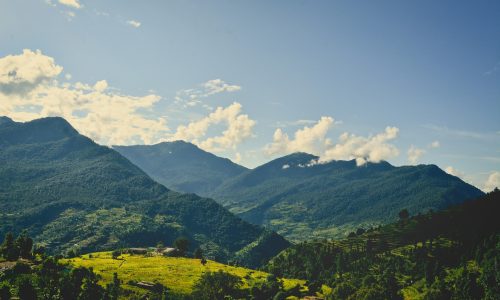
(5, 120)
(37, 131)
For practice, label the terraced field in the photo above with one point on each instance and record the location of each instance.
(177, 274)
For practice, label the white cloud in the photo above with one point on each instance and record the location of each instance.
(492, 182)
(435, 144)
(30, 90)
(314, 140)
(308, 139)
(364, 149)
(19, 74)
(134, 23)
(71, 3)
(452, 171)
(101, 85)
(238, 128)
(237, 157)
(414, 154)
(193, 97)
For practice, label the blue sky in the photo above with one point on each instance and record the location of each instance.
(428, 70)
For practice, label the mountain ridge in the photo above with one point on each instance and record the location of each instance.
(177, 165)
(73, 194)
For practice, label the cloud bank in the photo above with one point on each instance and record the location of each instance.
(314, 140)
(29, 89)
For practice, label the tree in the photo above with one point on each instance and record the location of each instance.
(8, 248)
(404, 214)
(115, 254)
(25, 244)
(26, 289)
(216, 286)
(113, 289)
(182, 244)
(203, 261)
(5, 293)
(91, 290)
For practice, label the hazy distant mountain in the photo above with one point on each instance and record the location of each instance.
(301, 201)
(71, 193)
(182, 166)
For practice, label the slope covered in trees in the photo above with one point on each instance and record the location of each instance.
(302, 200)
(451, 254)
(72, 194)
(182, 166)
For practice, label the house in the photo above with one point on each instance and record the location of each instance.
(137, 250)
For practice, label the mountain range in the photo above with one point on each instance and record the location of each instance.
(182, 166)
(73, 194)
(302, 199)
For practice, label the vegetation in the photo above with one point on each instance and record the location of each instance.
(180, 276)
(182, 166)
(303, 201)
(31, 276)
(74, 196)
(444, 255)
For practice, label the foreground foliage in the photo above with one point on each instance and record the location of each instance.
(452, 254)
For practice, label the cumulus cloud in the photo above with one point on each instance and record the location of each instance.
(492, 182)
(364, 149)
(314, 140)
(414, 154)
(238, 128)
(29, 89)
(19, 74)
(71, 3)
(193, 97)
(134, 23)
(308, 139)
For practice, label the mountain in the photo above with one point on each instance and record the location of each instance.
(182, 166)
(72, 194)
(451, 254)
(301, 199)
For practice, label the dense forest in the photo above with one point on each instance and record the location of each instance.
(74, 195)
(295, 196)
(452, 254)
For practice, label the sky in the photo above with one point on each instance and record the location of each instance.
(410, 82)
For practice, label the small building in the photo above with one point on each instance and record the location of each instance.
(137, 250)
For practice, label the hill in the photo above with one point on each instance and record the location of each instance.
(452, 254)
(72, 194)
(300, 199)
(182, 166)
(177, 274)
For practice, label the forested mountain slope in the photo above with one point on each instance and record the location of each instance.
(182, 166)
(301, 200)
(71, 193)
(452, 254)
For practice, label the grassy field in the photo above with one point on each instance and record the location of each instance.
(177, 274)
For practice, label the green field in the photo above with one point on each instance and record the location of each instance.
(176, 273)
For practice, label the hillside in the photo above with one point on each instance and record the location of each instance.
(303, 201)
(72, 194)
(182, 166)
(177, 274)
(452, 254)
